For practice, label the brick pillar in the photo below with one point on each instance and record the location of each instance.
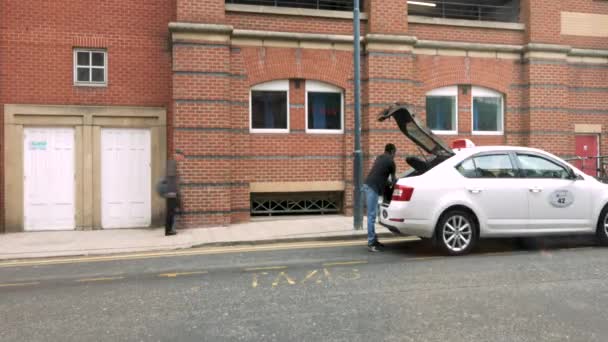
(240, 172)
(389, 76)
(542, 19)
(545, 101)
(201, 11)
(546, 104)
(202, 109)
(387, 16)
(201, 124)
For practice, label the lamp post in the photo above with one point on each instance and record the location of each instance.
(358, 162)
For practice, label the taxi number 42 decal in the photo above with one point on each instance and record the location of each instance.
(561, 198)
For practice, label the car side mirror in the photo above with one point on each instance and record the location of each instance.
(573, 175)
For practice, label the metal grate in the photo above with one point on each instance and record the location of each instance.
(295, 203)
(486, 10)
(335, 5)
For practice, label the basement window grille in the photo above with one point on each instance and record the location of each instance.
(335, 5)
(483, 10)
(276, 204)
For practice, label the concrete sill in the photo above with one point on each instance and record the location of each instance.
(292, 11)
(415, 19)
(265, 187)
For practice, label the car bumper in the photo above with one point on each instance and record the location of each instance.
(393, 229)
(395, 219)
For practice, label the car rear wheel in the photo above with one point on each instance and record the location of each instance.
(456, 232)
(602, 227)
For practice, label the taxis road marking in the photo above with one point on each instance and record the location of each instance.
(310, 275)
(205, 251)
(254, 282)
(86, 280)
(19, 284)
(178, 274)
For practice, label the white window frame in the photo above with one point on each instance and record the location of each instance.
(451, 91)
(91, 67)
(485, 92)
(280, 85)
(321, 87)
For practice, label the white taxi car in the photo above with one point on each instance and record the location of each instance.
(457, 196)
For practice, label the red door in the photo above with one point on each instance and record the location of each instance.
(586, 146)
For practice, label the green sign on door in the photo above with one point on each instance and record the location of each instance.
(38, 145)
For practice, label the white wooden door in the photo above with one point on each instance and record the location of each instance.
(49, 177)
(126, 189)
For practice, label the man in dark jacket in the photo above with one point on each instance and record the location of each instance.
(171, 193)
(374, 185)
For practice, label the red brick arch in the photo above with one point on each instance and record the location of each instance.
(268, 64)
(437, 72)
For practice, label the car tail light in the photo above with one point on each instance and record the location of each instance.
(402, 193)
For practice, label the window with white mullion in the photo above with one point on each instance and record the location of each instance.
(442, 110)
(269, 107)
(487, 111)
(324, 107)
(90, 67)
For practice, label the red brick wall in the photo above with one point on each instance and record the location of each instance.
(537, 112)
(205, 11)
(586, 6)
(543, 21)
(387, 16)
(416, 75)
(36, 52)
(40, 37)
(222, 156)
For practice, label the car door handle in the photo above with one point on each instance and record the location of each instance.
(536, 190)
(474, 190)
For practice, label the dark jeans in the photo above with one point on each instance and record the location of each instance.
(371, 197)
(170, 220)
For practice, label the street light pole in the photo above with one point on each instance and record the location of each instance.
(358, 163)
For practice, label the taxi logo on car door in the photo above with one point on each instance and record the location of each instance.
(561, 198)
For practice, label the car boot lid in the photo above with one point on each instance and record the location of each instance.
(412, 128)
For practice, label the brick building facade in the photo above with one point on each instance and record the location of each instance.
(260, 98)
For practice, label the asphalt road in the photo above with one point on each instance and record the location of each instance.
(553, 290)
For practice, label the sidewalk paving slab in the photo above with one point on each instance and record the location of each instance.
(112, 241)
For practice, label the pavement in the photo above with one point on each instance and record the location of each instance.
(27, 245)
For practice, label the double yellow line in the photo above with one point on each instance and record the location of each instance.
(196, 251)
(20, 284)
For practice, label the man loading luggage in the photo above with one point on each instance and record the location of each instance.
(374, 185)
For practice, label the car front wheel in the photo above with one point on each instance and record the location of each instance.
(602, 227)
(456, 232)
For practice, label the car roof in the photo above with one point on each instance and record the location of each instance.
(479, 149)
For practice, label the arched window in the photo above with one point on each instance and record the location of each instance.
(324, 108)
(487, 111)
(269, 107)
(442, 110)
